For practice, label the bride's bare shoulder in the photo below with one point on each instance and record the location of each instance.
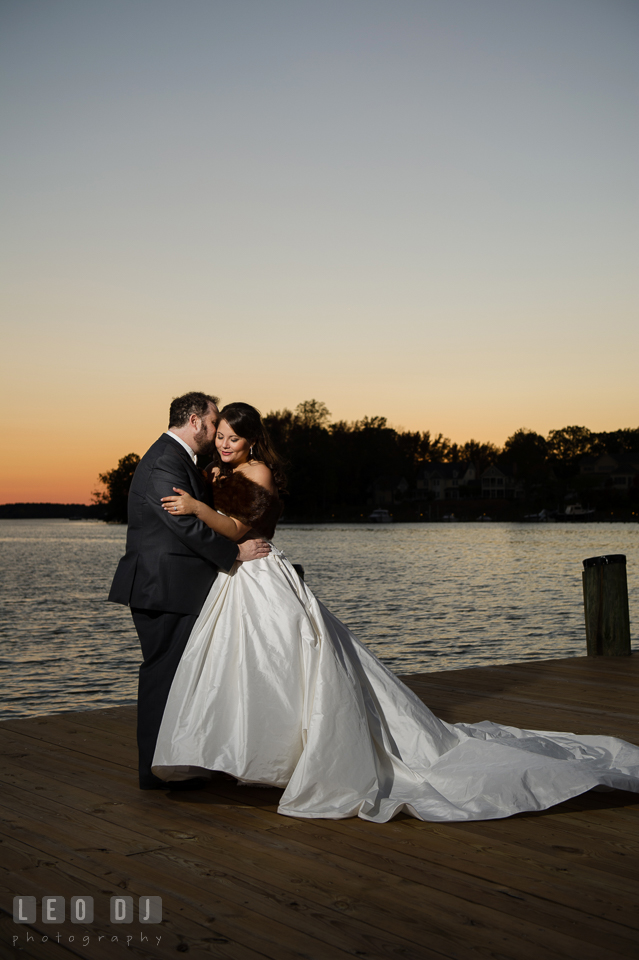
(261, 474)
(211, 472)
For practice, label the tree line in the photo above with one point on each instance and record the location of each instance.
(335, 469)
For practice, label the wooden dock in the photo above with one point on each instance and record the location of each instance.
(239, 882)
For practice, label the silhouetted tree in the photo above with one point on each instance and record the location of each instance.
(117, 482)
(525, 454)
(419, 447)
(438, 449)
(338, 470)
(312, 413)
(567, 446)
(303, 440)
(482, 455)
(619, 443)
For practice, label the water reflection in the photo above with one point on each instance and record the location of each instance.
(423, 597)
(436, 596)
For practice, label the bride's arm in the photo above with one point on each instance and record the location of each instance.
(184, 503)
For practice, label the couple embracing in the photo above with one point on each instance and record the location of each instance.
(245, 672)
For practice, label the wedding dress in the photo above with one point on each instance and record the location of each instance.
(275, 690)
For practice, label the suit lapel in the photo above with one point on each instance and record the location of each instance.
(197, 480)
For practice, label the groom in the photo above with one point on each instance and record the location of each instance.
(170, 563)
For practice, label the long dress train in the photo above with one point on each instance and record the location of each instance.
(273, 689)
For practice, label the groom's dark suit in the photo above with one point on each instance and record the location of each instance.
(165, 576)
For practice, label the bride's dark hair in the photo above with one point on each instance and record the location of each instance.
(247, 423)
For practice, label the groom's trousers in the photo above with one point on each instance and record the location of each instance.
(163, 637)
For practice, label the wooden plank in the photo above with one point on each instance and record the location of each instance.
(27, 944)
(472, 709)
(124, 814)
(54, 761)
(585, 847)
(264, 867)
(622, 671)
(102, 880)
(616, 705)
(229, 894)
(436, 910)
(217, 818)
(118, 721)
(559, 884)
(64, 733)
(68, 822)
(404, 852)
(485, 886)
(560, 696)
(41, 841)
(310, 907)
(595, 666)
(348, 828)
(459, 704)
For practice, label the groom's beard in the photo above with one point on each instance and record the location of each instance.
(205, 447)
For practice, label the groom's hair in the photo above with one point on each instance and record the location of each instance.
(182, 407)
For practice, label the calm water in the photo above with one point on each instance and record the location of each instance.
(424, 597)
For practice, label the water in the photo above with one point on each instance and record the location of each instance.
(424, 597)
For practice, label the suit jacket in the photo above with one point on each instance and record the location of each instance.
(170, 562)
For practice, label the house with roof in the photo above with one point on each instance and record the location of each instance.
(442, 481)
(621, 473)
(626, 474)
(500, 484)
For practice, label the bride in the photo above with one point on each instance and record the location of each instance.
(275, 690)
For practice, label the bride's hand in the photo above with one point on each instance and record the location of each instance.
(183, 504)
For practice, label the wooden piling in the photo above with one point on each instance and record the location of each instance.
(606, 606)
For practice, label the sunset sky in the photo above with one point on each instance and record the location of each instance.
(419, 209)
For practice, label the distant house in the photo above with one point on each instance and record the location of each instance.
(443, 480)
(622, 473)
(498, 484)
(604, 464)
(626, 473)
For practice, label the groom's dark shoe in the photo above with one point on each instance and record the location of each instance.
(154, 783)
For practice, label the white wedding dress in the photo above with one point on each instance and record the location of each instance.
(274, 690)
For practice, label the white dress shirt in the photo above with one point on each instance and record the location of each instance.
(190, 452)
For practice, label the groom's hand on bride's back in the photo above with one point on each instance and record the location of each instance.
(253, 550)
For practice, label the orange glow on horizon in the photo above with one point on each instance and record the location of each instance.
(62, 465)
(277, 230)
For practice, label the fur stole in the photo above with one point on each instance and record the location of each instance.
(247, 501)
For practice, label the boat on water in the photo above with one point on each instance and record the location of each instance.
(380, 516)
(575, 511)
(542, 517)
(485, 518)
